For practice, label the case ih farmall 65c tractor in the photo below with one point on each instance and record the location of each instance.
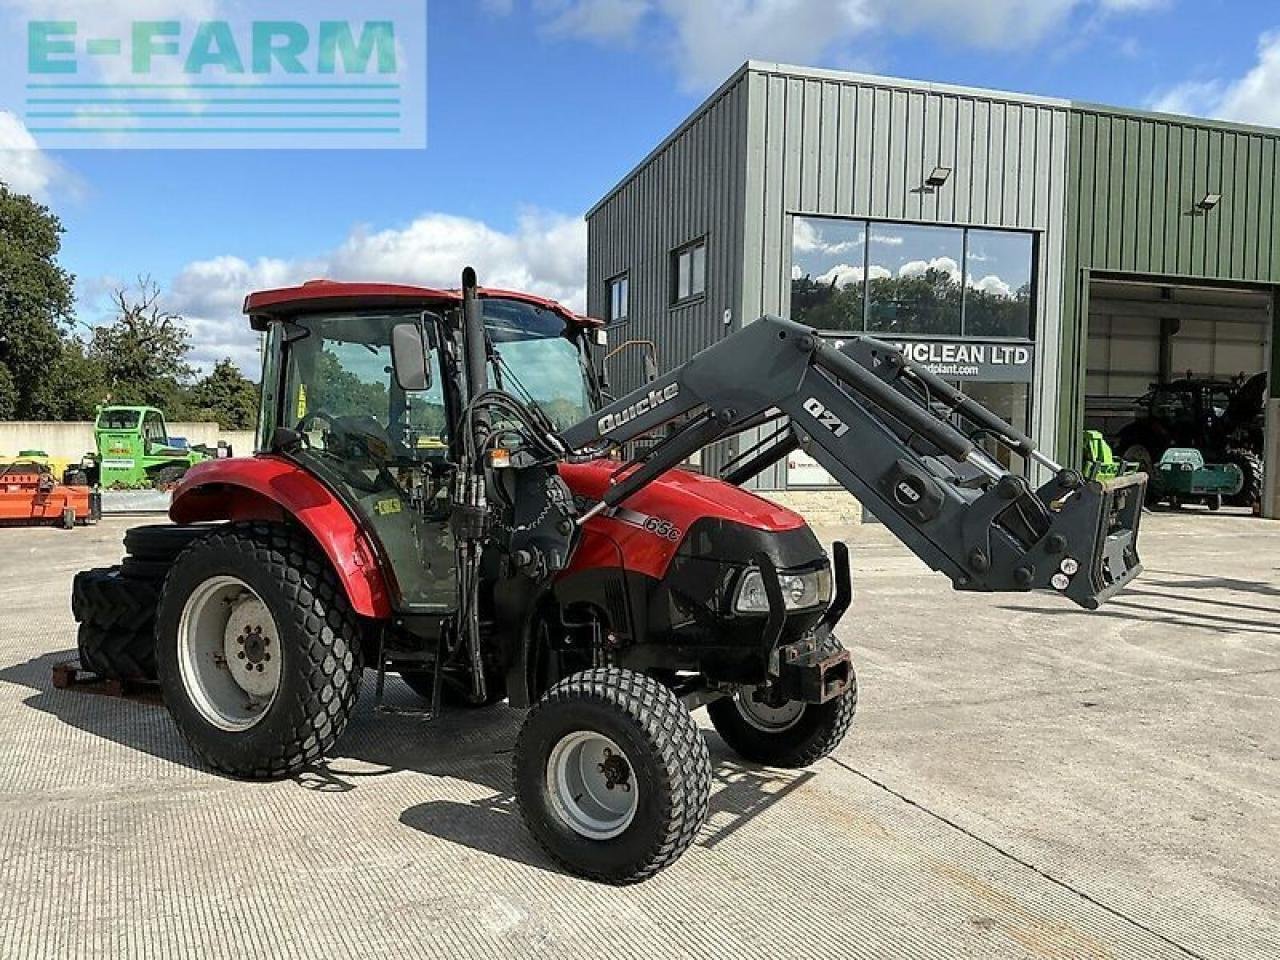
(435, 495)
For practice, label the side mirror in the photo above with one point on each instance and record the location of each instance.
(650, 366)
(409, 357)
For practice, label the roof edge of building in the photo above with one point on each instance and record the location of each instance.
(1186, 120)
(923, 86)
(902, 83)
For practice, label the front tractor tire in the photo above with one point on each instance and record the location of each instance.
(792, 734)
(612, 775)
(258, 650)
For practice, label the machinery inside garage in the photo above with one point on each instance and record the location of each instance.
(1175, 368)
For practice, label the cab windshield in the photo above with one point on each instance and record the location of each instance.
(536, 357)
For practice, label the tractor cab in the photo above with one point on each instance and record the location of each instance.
(387, 448)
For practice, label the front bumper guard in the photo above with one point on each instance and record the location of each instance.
(807, 669)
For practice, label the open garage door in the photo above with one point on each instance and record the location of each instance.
(1204, 350)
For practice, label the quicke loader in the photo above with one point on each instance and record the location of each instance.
(438, 493)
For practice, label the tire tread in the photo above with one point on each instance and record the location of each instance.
(671, 733)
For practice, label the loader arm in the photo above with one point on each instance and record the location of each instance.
(878, 424)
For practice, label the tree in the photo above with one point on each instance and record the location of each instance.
(143, 350)
(225, 396)
(36, 299)
(74, 387)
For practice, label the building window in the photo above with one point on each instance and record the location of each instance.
(914, 281)
(619, 299)
(689, 272)
(999, 267)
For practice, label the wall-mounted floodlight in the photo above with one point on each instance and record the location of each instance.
(1210, 201)
(938, 178)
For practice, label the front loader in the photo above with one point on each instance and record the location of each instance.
(437, 495)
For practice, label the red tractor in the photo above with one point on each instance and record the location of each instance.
(436, 494)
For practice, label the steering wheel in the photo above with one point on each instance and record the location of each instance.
(311, 420)
(340, 453)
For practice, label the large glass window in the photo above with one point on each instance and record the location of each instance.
(828, 263)
(998, 273)
(915, 280)
(911, 280)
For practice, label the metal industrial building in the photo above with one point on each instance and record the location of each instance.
(1054, 258)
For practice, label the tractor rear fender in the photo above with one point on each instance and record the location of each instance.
(266, 487)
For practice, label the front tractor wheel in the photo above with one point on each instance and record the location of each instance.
(612, 775)
(789, 734)
(258, 650)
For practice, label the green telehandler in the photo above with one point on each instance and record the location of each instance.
(134, 451)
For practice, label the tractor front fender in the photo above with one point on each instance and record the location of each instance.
(266, 487)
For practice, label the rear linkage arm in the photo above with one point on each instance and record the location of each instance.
(868, 416)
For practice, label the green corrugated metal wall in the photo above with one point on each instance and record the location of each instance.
(1134, 182)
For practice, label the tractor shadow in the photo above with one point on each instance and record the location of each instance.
(492, 825)
(139, 721)
(468, 747)
(476, 747)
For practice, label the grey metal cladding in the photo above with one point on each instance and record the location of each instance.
(690, 187)
(835, 144)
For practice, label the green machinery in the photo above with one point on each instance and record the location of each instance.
(1182, 476)
(134, 450)
(1099, 462)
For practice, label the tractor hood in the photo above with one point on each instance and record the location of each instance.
(681, 497)
(645, 533)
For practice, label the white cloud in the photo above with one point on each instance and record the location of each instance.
(843, 274)
(711, 39)
(918, 268)
(1252, 98)
(545, 254)
(992, 284)
(594, 19)
(707, 40)
(24, 167)
(806, 238)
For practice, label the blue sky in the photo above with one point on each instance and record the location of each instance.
(536, 107)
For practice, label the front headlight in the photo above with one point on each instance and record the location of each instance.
(800, 590)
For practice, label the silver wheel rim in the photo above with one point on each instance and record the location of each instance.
(592, 785)
(766, 718)
(229, 653)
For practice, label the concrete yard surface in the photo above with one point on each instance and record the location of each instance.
(1024, 779)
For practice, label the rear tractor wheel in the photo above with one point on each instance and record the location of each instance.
(1137, 453)
(612, 775)
(258, 650)
(1250, 465)
(790, 734)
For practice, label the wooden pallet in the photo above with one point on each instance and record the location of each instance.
(69, 675)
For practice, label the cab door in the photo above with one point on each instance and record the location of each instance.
(384, 452)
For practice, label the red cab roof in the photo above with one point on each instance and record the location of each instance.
(316, 295)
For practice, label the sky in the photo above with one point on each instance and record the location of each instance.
(535, 108)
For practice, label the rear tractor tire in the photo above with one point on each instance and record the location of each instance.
(790, 735)
(1137, 453)
(1250, 465)
(612, 775)
(116, 638)
(259, 651)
